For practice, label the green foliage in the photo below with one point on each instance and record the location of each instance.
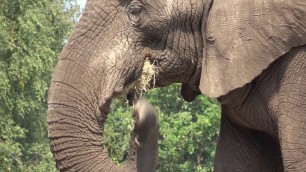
(32, 33)
(188, 131)
(38, 158)
(117, 131)
(188, 142)
(10, 150)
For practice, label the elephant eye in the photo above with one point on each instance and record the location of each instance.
(134, 13)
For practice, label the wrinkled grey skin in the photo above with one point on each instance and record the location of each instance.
(249, 54)
(146, 127)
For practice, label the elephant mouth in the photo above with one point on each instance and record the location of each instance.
(144, 83)
(132, 97)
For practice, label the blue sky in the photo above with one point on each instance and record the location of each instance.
(82, 3)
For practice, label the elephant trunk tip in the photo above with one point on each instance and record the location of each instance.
(145, 115)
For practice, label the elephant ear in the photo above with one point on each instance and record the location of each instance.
(242, 37)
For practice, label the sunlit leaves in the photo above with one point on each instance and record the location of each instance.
(188, 131)
(10, 150)
(32, 34)
(117, 131)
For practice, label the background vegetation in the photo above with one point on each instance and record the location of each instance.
(188, 131)
(32, 34)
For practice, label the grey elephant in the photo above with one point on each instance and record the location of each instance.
(249, 54)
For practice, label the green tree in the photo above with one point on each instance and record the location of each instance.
(117, 130)
(32, 34)
(188, 131)
(10, 150)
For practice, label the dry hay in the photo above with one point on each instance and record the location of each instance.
(145, 81)
(148, 74)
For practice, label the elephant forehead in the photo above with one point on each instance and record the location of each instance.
(177, 7)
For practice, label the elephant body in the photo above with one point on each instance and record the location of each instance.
(249, 54)
(266, 122)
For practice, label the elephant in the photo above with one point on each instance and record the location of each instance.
(250, 55)
(142, 155)
(147, 129)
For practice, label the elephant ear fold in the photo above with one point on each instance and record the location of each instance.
(243, 37)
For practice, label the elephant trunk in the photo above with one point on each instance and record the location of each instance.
(78, 105)
(75, 122)
(147, 129)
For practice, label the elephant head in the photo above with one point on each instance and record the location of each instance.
(210, 46)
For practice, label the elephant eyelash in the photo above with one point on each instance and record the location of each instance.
(134, 13)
